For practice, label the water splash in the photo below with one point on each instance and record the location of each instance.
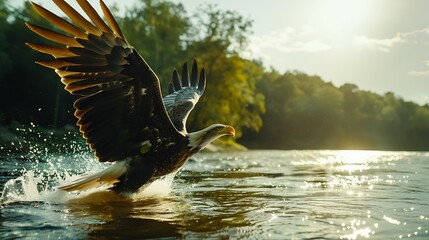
(23, 188)
(160, 188)
(31, 187)
(48, 159)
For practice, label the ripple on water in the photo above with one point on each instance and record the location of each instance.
(253, 194)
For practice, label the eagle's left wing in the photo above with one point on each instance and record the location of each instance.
(184, 95)
(119, 104)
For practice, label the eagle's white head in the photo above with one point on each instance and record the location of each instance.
(203, 137)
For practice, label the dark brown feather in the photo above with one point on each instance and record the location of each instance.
(185, 75)
(59, 22)
(76, 17)
(93, 15)
(84, 52)
(194, 74)
(53, 36)
(80, 75)
(176, 81)
(91, 46)
(54, 63)
(111, 20)
(52, 50)
(84, 60)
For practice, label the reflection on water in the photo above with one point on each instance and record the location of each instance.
(254, 194)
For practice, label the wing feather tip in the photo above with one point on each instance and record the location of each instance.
(30, 45)
(194, 73)
(176, 81)
(111, 20)
(202, 81)
(170, 88)
(28, 25)
(32, 27)
(185, 75)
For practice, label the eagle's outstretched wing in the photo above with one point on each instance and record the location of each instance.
(119, 106)
(184, 95)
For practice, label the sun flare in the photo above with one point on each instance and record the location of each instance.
(356, 156)
(343, 16)
(355, 160)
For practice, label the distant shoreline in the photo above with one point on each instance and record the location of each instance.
(17, 138)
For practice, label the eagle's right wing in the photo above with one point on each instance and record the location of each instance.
(184, 95)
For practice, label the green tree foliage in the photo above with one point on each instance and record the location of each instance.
(231, 97)
(157, 29)
(28, 93)
(5, 62)
(306, 112)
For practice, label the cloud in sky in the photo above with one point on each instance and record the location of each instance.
(417, 37)
(383, 45)
(273, 46)
(386, 44)
(308, 39)
(418, 73)
(287, 40)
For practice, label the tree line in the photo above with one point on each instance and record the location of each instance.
(268, 109)
(305, 112)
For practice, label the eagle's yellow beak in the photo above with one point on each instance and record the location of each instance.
(230, 131)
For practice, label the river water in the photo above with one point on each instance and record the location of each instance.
(238, 195)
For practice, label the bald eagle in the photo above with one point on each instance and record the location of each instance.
(120, 109)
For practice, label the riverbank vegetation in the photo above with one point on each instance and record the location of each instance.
(269, 109)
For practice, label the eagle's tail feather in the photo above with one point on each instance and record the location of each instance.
(108, 176)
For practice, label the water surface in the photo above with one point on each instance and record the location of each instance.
(252, 194)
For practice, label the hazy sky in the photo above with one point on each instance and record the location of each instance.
(379, 45)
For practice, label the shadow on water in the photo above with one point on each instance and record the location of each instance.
(168, 217)
(134, 228)
(126, 218)
(120, 219)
